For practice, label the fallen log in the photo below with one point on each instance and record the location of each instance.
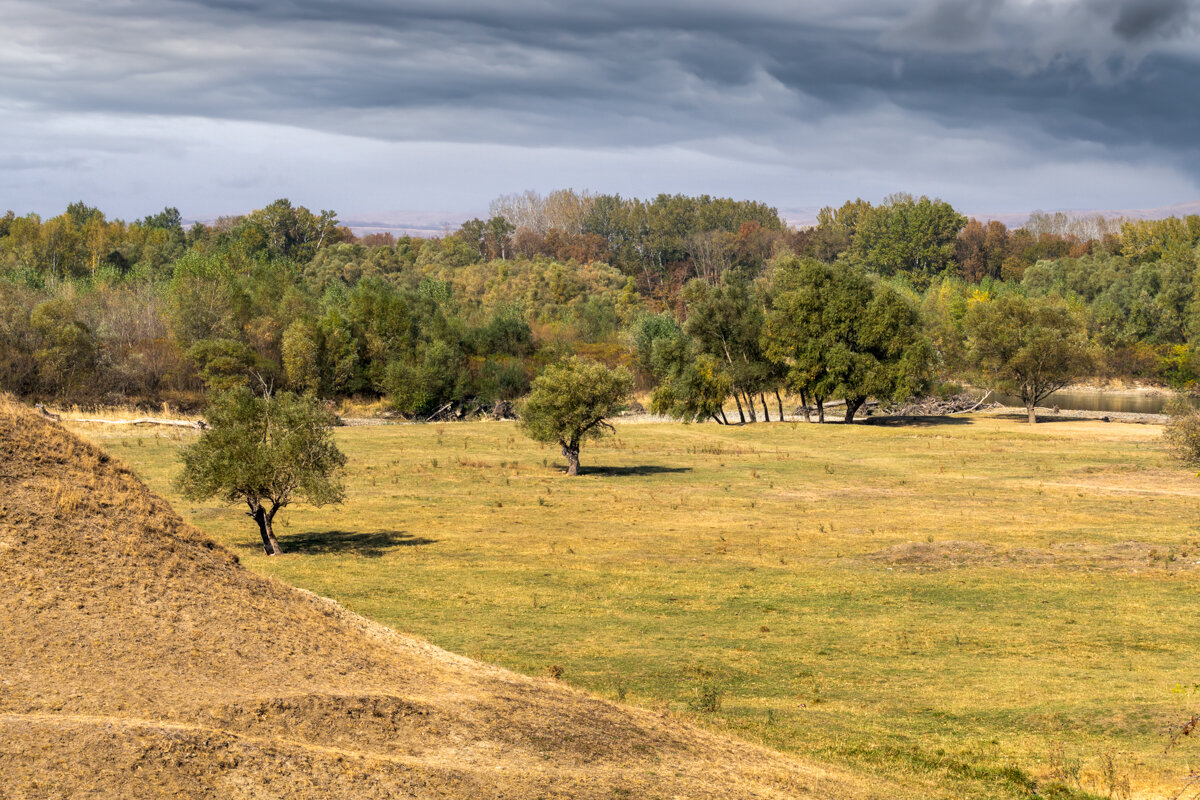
(179, 423)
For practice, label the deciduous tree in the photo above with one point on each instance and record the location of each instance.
(265, 451)
(1028, 347)
(571, 402)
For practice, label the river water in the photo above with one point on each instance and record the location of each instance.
(1130, 402)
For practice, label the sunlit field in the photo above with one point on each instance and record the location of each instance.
(969, 607)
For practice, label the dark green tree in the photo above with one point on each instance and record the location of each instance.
(571, 402)
(916, 236)
(265, 451)
(842, 335)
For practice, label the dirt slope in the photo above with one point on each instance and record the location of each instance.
(139, 660)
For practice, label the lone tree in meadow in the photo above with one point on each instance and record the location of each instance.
(571, 401)
(266, 452)
(1027, 347)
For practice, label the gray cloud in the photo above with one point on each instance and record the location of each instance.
(1137, 21)
(1048, 79)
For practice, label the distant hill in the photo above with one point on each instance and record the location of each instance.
(141, 661)
(1016, 220)
(804, 217)
(439, 223)
(408, 223)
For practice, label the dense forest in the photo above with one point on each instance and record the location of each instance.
(708, 300)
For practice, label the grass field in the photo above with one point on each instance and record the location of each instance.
(963, 607)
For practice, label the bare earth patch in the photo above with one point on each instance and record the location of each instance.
(1126, 556)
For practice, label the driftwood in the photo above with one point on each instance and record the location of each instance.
(179, 423)
(439, 412)
(47, 414)
(503, 410)
(939, 407)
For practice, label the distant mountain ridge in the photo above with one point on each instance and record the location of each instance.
(806, 216)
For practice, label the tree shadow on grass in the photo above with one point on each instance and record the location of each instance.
(913, 422)
(1048, 416)
(639, 470)
(367, 545)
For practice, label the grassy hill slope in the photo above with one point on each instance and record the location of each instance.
(140, 660)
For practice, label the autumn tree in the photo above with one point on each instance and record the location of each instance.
(265, 451)
(570, 402)
(726, 321)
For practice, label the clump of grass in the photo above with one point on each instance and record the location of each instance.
(708, 699)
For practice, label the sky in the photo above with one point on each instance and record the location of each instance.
(372, 108)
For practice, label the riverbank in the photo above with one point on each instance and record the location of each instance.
(1064, 414)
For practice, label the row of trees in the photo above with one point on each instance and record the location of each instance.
(830, 331)
(94, 310)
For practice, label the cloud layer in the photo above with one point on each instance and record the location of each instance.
(990, 103)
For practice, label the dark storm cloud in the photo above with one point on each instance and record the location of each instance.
(619, 73)
(1150, 18)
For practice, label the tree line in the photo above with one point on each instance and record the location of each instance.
(717, 306)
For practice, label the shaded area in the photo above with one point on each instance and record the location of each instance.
(644, 469)
(1044, 417)
(918, 422)
(368, 545)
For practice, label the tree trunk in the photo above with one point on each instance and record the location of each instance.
(750, 407)
(852, 407)
(804, 405)
(1032, 411)
(820, 408)
(270, 518)
(571, 453)
(738, 400)
(724, 418)
(766, 414)
(779, 400)
(270, 543)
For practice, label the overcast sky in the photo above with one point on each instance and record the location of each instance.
(366, 106)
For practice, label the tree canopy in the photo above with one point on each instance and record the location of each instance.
(1027, 347)
(840, 334)
(265, 451)
(570, 402)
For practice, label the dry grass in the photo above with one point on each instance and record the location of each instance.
(742, 577)
(142, 661)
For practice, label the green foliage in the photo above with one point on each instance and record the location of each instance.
(224, 364)
(906, 234)
(841, 335)
(294, 296)
(726, 323)
(1028, 347)
(570, 403)
(694, 386)
(645, 332)
(265, 452)
(67, 350)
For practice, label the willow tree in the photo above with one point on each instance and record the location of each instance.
(571, 402)
(264, 451)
